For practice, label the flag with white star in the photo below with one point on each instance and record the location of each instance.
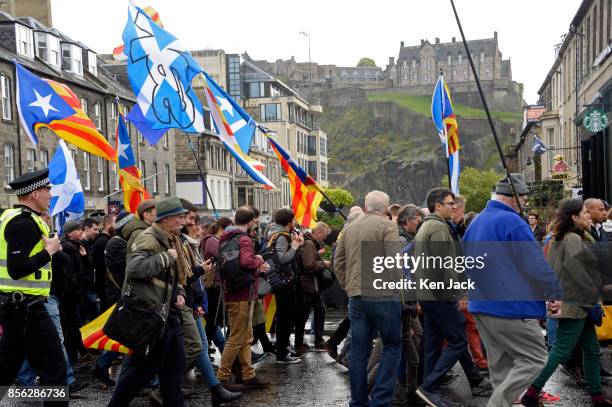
(129, 174)
(37, 102)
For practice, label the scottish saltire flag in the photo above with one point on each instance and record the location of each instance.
(305, 192)
(446, 122)
(539, 147)
(118, 51)
(150, 134)
(242, 124)
(38, 102)
(67, 199)
(160, 71)
(129, 174)
(224, 131)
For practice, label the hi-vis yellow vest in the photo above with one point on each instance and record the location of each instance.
(32, 284)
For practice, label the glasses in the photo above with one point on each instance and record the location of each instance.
(451, 203)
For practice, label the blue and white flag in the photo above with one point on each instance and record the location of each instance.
(37, 102)
(67, 199)
(539, 147)
(160, 70)
(242, 124)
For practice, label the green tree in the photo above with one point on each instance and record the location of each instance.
(340, 197)
(476, 186)
(367, 62)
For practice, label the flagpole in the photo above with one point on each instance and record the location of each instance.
(486, 107)
(202, 175)
(336, 209)
(448, 170)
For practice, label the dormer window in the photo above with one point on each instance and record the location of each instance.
(25, 41)
(72, 58)
(92, 62)
(47, 48)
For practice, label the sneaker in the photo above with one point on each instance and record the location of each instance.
(433, 399)
(547, 398)
(303, 348)
(103, 376)
(257, 357)
(320, 347)
(231, 386)
(288, 360)
(332, 350)
(256, 383)
(529, 401)
(76, 386)
(482, 389)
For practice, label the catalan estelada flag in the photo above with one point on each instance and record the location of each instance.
(305, 192)
(129, 174)
(94, 338)
(446, 122)
(43, 102)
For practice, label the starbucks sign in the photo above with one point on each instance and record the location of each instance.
(595, 120)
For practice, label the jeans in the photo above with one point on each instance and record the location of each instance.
(219, 339)
(551, 331)
(27, 375)
(203, 362)
(368, 316)
(314, 301)
(443, 320)
(106, 359)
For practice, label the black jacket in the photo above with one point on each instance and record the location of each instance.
(114, 259)
(77, 266)
(99, 246)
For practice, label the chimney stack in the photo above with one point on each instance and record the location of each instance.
(495, 35)
(422, 42)
(437, 40)
(401, 44)
(391, 61)
(453, 40)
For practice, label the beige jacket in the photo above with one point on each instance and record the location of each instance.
(378, 237)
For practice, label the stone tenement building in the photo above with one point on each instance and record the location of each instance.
(50, 54)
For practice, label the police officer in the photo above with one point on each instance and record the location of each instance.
(25, 280)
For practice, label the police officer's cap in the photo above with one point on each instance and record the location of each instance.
(30, 182)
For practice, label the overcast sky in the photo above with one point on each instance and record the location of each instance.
(341, 31)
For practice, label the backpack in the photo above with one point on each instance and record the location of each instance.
(277, 276)
(233, 275)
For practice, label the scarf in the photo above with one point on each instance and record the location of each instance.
(182, 267)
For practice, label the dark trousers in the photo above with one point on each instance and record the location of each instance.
(214, 316)
(259, 335)
(341, 332)
(69, 315)
(286, 306)
(443, 320)
(308, 301)
(30, 333)
(167, 360)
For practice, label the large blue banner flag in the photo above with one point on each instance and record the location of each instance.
(160, 70)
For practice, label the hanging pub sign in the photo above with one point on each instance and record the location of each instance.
(560, 170)
(595, 120)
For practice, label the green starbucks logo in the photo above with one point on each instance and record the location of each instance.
(595, 120)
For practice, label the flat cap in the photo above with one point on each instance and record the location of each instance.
(503, 186)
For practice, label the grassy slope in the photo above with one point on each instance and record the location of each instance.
(422, 105)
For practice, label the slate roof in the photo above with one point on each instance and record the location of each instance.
(489, 46)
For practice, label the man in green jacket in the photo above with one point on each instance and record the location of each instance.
(154, 268)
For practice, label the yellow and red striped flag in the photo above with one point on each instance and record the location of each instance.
(130, 177)
(305, 192)
(94, 338)
(78, 129)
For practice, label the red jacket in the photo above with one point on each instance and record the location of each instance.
(248, 263)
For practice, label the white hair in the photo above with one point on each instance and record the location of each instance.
(377, 202)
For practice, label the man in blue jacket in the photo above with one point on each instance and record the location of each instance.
(510, 292)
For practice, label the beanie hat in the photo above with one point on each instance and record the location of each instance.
(71, 226)
(123, 219)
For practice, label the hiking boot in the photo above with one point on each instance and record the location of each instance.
(332, 349)
(288, 360)
(482, 389)
(103, 376)
(231, 386)
(220, 395)
(256, 383)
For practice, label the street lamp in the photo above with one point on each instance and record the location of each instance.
(307, 35)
